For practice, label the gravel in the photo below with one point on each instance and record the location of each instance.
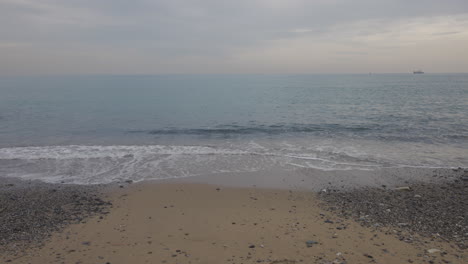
(428, 209)
(30, 211)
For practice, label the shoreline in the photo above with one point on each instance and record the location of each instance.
(276, 222)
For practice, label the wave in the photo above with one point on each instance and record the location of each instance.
(89, 152)
(260, 129)
(80, 164)
(362, 131)
(83, 164)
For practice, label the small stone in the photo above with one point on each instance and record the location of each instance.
(417, 196)
(310, 243)
(252, 246)
(404, 188)
(432, 250)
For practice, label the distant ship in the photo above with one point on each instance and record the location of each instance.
(418, 72)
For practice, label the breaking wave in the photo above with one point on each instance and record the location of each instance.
(81, 164)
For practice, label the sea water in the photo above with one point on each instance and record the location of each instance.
(103, 129)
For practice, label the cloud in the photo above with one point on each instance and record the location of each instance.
(147, 36)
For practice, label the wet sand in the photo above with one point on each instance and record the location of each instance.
(183, 222)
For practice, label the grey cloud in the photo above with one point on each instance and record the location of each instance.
(177, 28)
(446, 33)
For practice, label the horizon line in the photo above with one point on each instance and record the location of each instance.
(214, 74)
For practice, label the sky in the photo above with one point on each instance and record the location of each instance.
(241, 36)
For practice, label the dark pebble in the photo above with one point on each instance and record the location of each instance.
(32, 211)
(440, 208)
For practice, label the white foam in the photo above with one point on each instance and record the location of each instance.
(87, 152)
(81, 164)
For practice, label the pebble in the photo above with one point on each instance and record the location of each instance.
(33, 210)
(404, 188)
(437, 209)
(310, 243)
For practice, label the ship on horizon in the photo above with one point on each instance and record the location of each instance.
(418, 72)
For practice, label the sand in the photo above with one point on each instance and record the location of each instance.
(201, 223)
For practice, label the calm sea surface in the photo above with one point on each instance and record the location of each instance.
(100, 129)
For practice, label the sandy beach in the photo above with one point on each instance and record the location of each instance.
(181, 222)
(233, 132)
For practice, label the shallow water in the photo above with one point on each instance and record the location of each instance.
(100, 129)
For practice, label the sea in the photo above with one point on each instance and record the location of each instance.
(102, 129)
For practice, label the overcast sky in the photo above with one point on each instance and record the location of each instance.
(241, 36)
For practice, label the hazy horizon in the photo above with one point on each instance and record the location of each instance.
(142, 37)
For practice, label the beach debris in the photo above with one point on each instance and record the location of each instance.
(310, 243)
(404, 188)
(417, 196)
(252, 246)
(433, 250)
